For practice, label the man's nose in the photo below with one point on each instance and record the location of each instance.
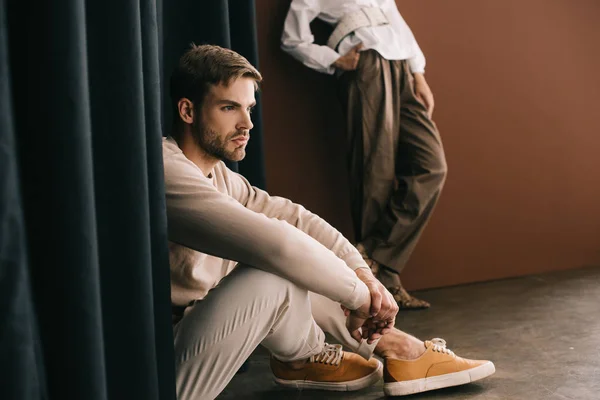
(245, 123)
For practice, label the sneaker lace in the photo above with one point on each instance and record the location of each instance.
(331, 354)
(439, 345)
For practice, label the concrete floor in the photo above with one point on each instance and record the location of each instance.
(542, 332)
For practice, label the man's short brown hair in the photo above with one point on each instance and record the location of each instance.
(203, 66)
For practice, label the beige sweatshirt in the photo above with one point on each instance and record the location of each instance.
(221, 218)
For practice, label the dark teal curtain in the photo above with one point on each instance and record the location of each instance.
(84, 276)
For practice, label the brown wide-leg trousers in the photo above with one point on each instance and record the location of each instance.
(395, 158)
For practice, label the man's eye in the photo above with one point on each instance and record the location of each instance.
(250, 110)
(228, 108)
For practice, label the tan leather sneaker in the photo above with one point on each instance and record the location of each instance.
(437, 368)
(331, 369)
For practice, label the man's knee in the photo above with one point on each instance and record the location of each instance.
(262, 282)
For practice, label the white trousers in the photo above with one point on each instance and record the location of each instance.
(251, 307)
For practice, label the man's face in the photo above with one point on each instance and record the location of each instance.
(222, 125)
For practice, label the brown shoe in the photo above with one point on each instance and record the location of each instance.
(373, 265)
(407, 301)
(391, 280)
(437, 368)
(331, 369)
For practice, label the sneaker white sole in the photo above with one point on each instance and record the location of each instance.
(347, 386)
(439, 382)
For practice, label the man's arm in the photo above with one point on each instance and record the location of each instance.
(298, 40)
(383, 307)
(203, 219)
(283, 209)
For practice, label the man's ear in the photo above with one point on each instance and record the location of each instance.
(186, 110)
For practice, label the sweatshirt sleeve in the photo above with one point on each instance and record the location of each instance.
(283, 209)
(206, 220)
(298, 40)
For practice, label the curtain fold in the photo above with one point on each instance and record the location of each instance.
(118, 113)
(51, 99)
(19, 341)
(84, 274)
(151, 46)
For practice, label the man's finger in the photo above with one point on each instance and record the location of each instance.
(365, 333)
(356, 335)
(391, 306)
(345, 310)
(375, 300)
(358, 47)
(387, 305)
(373, 338)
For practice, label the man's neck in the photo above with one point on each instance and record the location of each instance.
(195, 154)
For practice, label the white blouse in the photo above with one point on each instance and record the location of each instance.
(394, 41)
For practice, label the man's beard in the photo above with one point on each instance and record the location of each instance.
(214, 146)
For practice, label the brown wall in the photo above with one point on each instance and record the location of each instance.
(517, 88)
